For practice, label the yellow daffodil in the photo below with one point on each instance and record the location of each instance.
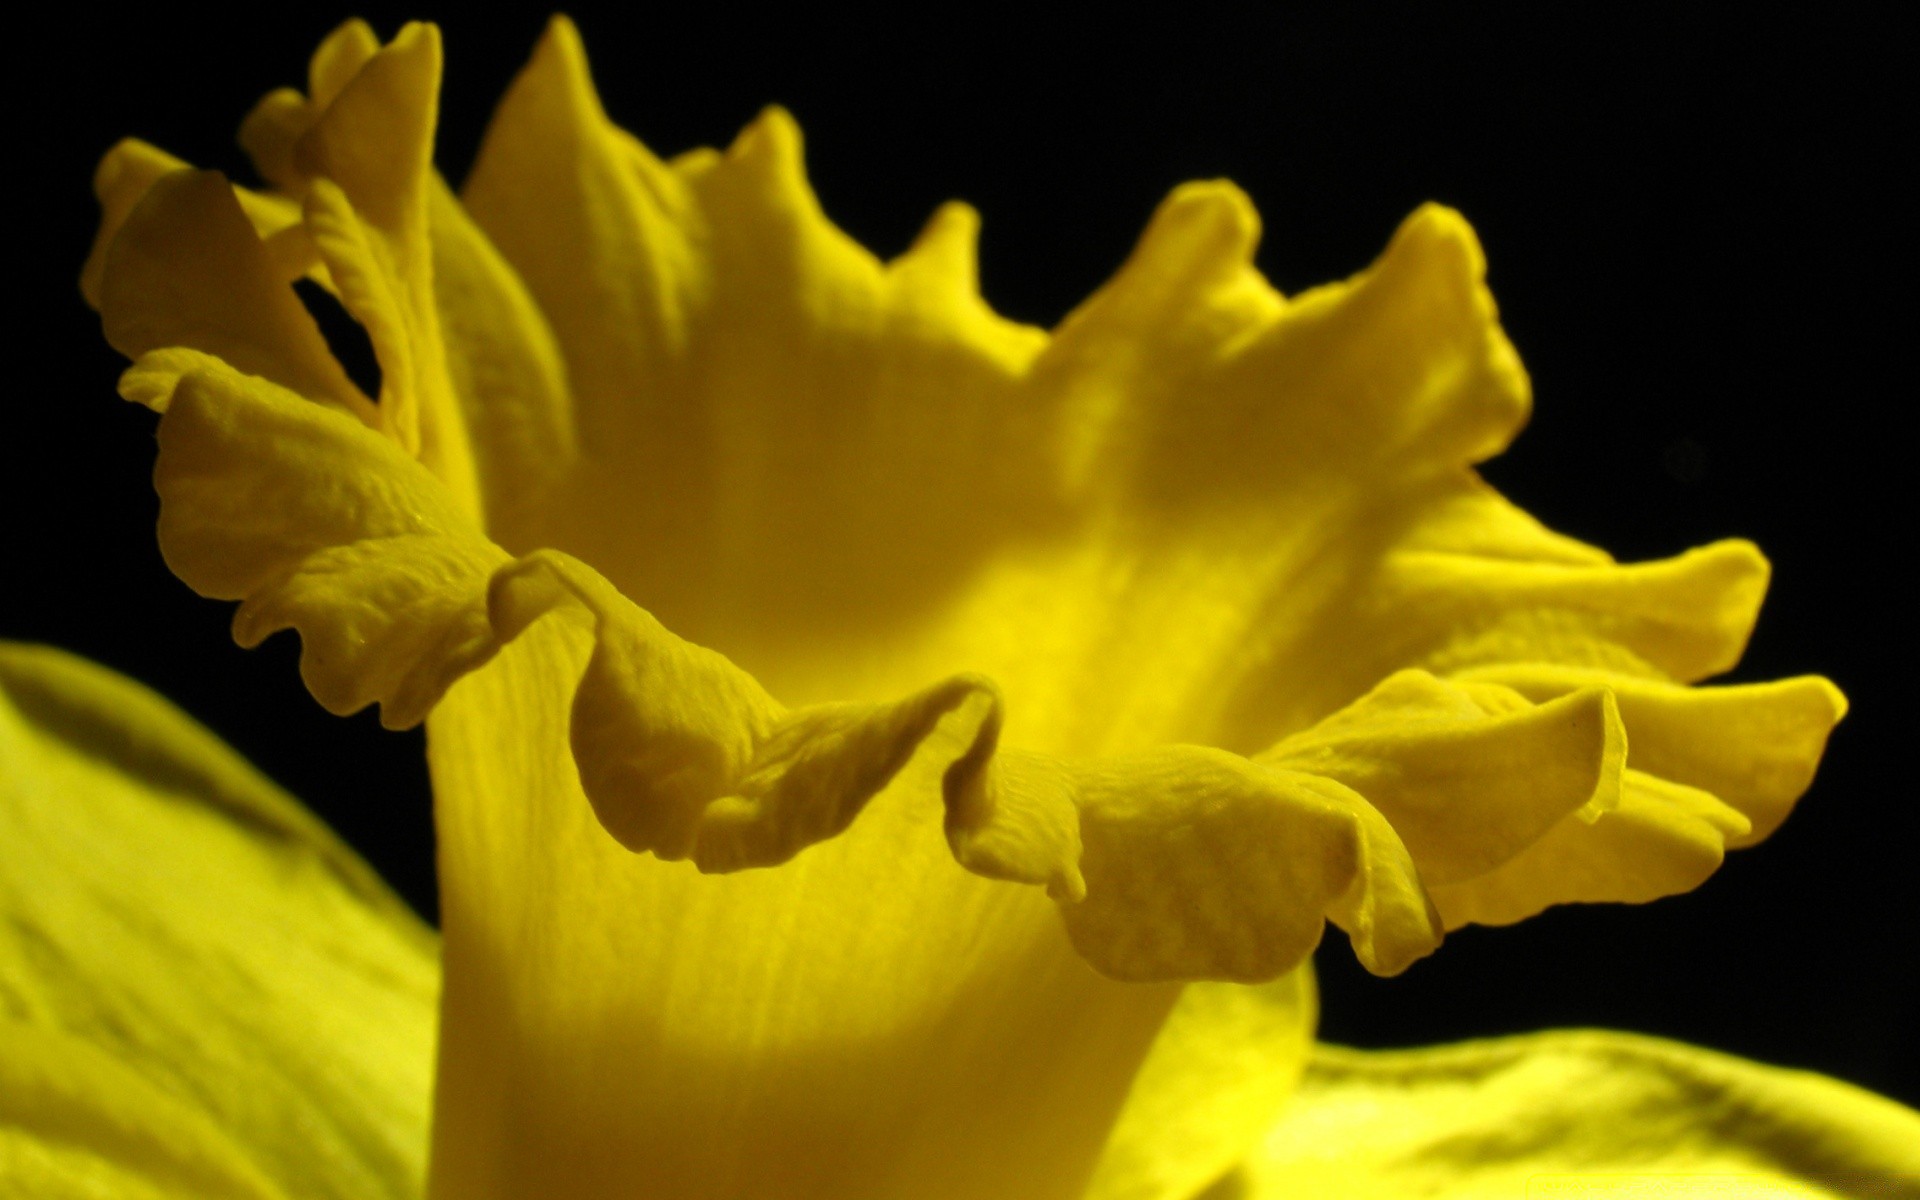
(879, 749)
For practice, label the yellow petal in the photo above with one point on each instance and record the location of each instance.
(684, 755)
(507, 372)
(368, 161)
(132, 166)
(1711, 769)
(849, 1024)
(1469, 775)
(821, 563)
(1755, 746)
(206, 993)
(186, 269)
(77, 1120)
(1578, 1114)
(271, 133)
(1222, 1069)
(317, 522)
(1190, 863)
(794, 378)
(782, 438)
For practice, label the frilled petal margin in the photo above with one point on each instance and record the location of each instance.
(317, 517)
(1579, 1114)
(203, 992)
(1192, 611)
(1424, 787)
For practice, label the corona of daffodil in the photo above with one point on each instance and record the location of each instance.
(880, 750)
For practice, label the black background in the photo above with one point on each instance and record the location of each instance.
(1693, 232)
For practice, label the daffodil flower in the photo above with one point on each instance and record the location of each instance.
(879, 749)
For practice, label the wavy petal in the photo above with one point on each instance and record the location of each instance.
(1712, 769)
(1190, 863)
(685, 755)
(1197, 520)
(315, 521)
(747, 381)
(1579, 1113)
(368, 162)
(850, 1024)
(1468, 774)
(1754, 745)
(206, 993)
(186, 269)
(1352, 543)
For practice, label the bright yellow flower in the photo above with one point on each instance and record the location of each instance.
(879, 749)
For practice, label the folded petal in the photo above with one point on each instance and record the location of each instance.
(206, 993)
(852, 1023)
(1190, 863)
(1711, 769)
(685, 755)
(1577, 1113)
(1754, 745)
(705, 529)
(132, 166)
(1399, 556)
(187, 270)
(1468, 774)
(315, 521)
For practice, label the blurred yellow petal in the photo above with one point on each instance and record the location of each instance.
(132, 166)
(1578, 1114)
(205, 993)
(1221, 1070)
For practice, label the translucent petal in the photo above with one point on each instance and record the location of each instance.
(850, 1024)
(204, 992)
(1578, 1114)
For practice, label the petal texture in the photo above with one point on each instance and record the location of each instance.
(851, 1024)
(705, 535)
(1197, 522)
(202, 991)
(1581, 1114)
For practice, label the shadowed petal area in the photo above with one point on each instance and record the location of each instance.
(202, 991)
(1577, 1113)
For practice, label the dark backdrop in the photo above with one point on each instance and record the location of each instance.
(1693, 234)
